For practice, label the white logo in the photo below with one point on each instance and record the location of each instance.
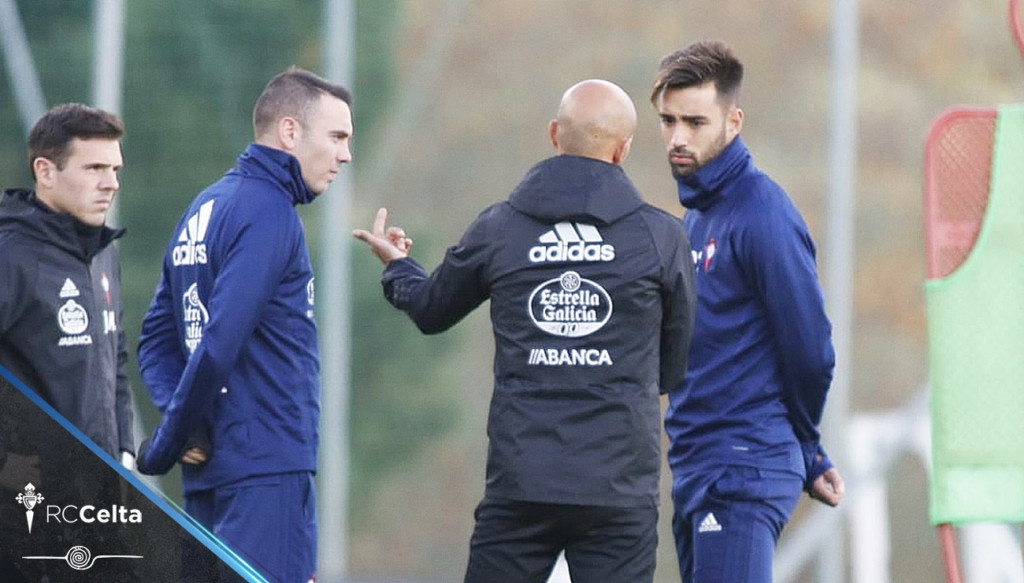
(29, 499)
(190, 249)
(69, 290)
(569, 306)
(80, 558)
(709, 524)
(577, 242)
(195, 315)
(310, 297)
(89, 514)
(72, 318)
(569, 357)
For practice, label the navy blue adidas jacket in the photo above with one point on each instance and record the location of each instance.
(761, 359)
(592, 302)
(60, 317)
(229, 345)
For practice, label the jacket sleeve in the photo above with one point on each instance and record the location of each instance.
(123, 396)
(161, 361)
(782, 263)
(438, 301)
(10, 285)
(122, 393)
(679, 300)
(253, 251)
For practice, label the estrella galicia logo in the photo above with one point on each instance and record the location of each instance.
(310, 297)
(195, 316)
(570, 306)
(29, 498)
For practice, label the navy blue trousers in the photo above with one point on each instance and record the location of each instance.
(269, 521)
(726, 526)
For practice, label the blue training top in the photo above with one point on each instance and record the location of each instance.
(229, 344)
(761, 357)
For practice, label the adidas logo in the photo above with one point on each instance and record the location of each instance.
(709, 524)
(576, 242)
(69, 290)
(190, 249)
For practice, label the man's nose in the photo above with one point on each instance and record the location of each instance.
(680, 137)
(344, 153)
(109, 181)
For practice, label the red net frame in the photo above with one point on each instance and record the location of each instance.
(957, 173)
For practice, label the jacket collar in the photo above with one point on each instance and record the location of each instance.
(700, 189)
(281, 167)
(569, 187)
(22, 211)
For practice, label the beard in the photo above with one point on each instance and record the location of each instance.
(699, 160)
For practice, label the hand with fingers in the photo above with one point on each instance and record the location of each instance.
(387, 243)
(829, 488)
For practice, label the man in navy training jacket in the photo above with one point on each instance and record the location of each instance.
(228, 347)
(592, 299)
(743, 426)
(60, 279)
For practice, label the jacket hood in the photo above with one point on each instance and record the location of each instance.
(21, 211)
(700, 189)
(280, 167)
(576, 188)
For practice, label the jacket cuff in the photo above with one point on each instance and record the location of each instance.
(816, 462)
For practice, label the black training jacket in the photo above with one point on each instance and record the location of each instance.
(60, 317)
(592, 298)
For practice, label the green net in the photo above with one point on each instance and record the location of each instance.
(976, 349)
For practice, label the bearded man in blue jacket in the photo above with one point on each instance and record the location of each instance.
(592, 296)
(228, 347)
(743, 426)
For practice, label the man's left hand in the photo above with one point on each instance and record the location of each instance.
(829, 488)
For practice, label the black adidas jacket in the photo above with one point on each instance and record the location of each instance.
(592, 298)
(60, 317)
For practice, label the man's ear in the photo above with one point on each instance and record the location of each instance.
(553, 133)
(45, 172)
(733, 123)
(622, 152)
(289, 130)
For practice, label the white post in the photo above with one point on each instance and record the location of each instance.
(28, 92)
(840, 249)
(332, 290)
(108, 66)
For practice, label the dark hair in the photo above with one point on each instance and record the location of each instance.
(697, 64)
(292, 93)
(51, 135)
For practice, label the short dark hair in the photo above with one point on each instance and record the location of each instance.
(697, 64)
(293, 93)
(52, 134)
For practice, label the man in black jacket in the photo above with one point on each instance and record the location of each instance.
(60, 293)
(592, 299)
